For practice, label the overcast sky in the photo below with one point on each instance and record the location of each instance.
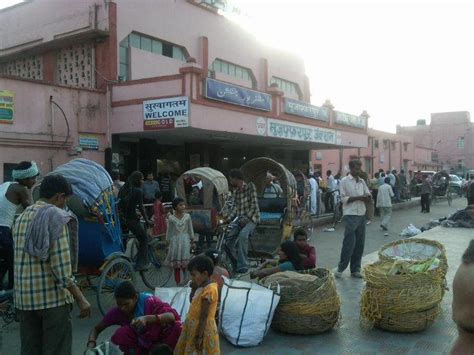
(399, 60)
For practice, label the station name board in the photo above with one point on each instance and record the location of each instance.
(304, 109)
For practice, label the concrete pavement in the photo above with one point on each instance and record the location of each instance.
(348, 338)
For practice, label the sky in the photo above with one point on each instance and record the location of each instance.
(398, 60)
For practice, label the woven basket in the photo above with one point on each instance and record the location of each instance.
(417, 249)
(401, 303)
(308, 308)
(408, 322)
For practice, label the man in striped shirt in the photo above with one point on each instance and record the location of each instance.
(45, 287)
(246, 208)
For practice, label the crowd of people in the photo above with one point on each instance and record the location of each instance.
(42, 245)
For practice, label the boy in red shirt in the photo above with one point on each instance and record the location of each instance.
(307, 252)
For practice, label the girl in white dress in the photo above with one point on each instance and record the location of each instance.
(180, 235)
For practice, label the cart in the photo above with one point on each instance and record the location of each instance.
(279, 216)
(440, 187)
(206, 193)
(103, 251)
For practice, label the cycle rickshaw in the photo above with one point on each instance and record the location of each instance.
(206, 193)
(440, 187)
(102, 245)
(279, 216)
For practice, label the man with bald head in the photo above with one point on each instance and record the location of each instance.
(463, 308)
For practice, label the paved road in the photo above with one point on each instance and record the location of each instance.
(328, 246)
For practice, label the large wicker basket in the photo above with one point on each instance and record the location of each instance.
(401, 303)
(309, 308)
(408, 322)
(415, 249)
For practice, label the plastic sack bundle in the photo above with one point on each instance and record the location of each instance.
(106, 348)
(176, 297)
(410, 231)
(246, 312)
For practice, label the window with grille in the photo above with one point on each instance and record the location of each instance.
(227, 68)
(286, 86)
(149, 44)
(28, 68)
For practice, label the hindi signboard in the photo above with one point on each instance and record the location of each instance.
(350, 120)
(172, 112)
(237, 95)
(299, 132)
(304, 109)
(87, 141)
(7, 106)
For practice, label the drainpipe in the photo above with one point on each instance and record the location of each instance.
(341, 153)
(372, 154)
(389, 154)
(401, 161)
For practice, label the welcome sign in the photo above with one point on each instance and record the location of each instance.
(172, 112)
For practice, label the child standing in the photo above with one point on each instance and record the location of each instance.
(384, 203)
(199, 335)
(179, 234)
(159, 215)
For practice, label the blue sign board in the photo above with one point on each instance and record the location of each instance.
(303, 109)
(236, 95)
(89, 142)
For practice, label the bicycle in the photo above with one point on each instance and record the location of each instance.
(335, 196)
(121, 267)
(7, 310)
(228, 259)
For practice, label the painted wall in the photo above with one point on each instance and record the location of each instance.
(384, 156)
(41, 21)
(39, 129)
(145, 64)
(184, 24)
(442, 135)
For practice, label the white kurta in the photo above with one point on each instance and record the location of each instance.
(313, 198)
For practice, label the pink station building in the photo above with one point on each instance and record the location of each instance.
(171, 85)
(155, 86)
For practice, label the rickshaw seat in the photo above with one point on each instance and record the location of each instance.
(272, 210)
(275, 205)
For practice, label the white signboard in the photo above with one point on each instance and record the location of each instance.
(261, 126)
(300, 132)
(350, 120)
(172, 112)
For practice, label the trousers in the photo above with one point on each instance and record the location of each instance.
(353, 243)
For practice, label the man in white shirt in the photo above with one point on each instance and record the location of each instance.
(354, 195)
(330, 197)
(384, 203)
(313, 196)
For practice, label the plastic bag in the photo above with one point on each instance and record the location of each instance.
(410, 231)
(106, 348)
(246, 312)
(176, 297)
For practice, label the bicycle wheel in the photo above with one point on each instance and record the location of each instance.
(157, 274)
(117, 270)
(226, 262)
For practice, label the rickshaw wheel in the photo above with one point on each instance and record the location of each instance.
(158, 274)
(117, 270)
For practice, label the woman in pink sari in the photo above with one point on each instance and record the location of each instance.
(145, 322)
